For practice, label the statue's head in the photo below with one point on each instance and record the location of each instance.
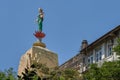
(40, 10)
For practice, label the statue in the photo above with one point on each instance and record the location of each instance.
(40, 19)
(39, 34)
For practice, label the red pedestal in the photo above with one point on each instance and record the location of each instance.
(39, 34)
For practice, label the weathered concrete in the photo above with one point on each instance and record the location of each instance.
(38, 55)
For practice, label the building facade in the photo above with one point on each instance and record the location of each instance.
(97, 52)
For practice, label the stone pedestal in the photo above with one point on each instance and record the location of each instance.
(38, 55)
(38, 43)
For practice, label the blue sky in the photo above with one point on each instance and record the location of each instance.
(66, 24)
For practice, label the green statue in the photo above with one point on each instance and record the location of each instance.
(40, 19)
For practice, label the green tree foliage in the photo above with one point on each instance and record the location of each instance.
(8, 75)
(29, 74)
(71, 74)
(49, 74)
(93, 73)
(108, 71)
(66, 74)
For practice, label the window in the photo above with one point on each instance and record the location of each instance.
(109, 50)
(90, 59)
(97, 57)
(98, 54)
(110, 45)
(83, 60)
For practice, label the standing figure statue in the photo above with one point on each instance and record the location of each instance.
(39, 34)
(40, 19)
